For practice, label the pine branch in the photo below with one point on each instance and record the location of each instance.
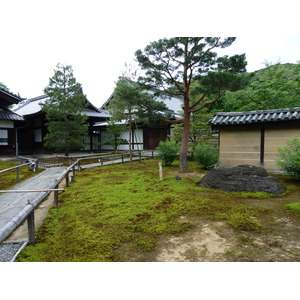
(208, 103)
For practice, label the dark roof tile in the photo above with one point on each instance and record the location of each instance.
(11, 116)
(248, 117)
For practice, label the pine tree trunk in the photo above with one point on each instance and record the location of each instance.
(185, 134)
(185, 143)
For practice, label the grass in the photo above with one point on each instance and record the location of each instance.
(109, 207)
(294, 206)
(8, 179)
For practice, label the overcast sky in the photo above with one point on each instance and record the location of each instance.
(98, 37)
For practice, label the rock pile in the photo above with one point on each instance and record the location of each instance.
(241, 179)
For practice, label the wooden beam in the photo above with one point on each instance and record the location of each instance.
(30, 191)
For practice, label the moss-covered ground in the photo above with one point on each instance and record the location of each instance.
(109, 207)
(8, 179)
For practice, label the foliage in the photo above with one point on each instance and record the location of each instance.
(132, 104)
(294, 206)
(2, 85)
(290, 157)
(274, 87)
(205, 155)
(167, 151)
(132, 211)
(113, 134)
(67, 128)
(173, 65)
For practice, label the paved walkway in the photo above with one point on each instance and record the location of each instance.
(110, 162)
(12, 203)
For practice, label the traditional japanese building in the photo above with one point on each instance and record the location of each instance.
(31, 139)
(10, 122)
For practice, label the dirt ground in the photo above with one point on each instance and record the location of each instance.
(210, 241)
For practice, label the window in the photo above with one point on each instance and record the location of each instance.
(38, 135)
(3, 137)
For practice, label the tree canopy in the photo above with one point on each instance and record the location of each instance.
(274, 87)
(173, 65)
(132, 104)
(66, 125)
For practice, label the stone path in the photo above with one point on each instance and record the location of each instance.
(12, 203)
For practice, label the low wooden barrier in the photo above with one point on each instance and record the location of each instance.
(27, 213)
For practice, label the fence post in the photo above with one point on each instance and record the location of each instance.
(31, 228)
(67, 179)
(36, 164)
(161, 176)
(56, 196)
(17, 173)
(73, 168)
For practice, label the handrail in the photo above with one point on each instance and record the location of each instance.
(28, 210)
(12, 168)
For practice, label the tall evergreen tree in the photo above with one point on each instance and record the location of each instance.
(67, 128)
(174, 64)
(132, 104)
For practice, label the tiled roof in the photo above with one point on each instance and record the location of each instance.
(10, 94)
(9, 115)
(257, 116)
(173, 103)
(32, 106)
(98, 114)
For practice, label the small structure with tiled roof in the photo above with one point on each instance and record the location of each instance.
(9, 121)
(32, 138)
(252, 137)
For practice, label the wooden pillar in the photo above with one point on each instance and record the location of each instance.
(262, 147)
(67, 179)
(31, 228)
(56, 196)
(161, 176)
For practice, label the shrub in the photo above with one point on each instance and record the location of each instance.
(167, 152)
(290, 157)
(206, 155)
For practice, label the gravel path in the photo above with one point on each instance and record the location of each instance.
(8, 251)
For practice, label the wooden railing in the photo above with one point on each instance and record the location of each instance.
(18, 167)
(27, 213)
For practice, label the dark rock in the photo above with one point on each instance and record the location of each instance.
(241, 179)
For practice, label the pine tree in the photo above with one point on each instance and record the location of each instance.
(174, 64)
(132, 104)
(67, 128)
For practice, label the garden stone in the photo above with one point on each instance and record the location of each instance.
(243, 178)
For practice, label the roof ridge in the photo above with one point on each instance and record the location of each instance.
(18, 97)
(257, 116)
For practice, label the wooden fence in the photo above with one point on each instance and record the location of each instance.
(27, 213)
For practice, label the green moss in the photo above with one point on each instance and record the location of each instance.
(108, 207)
(8, 179)
(294, 206)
